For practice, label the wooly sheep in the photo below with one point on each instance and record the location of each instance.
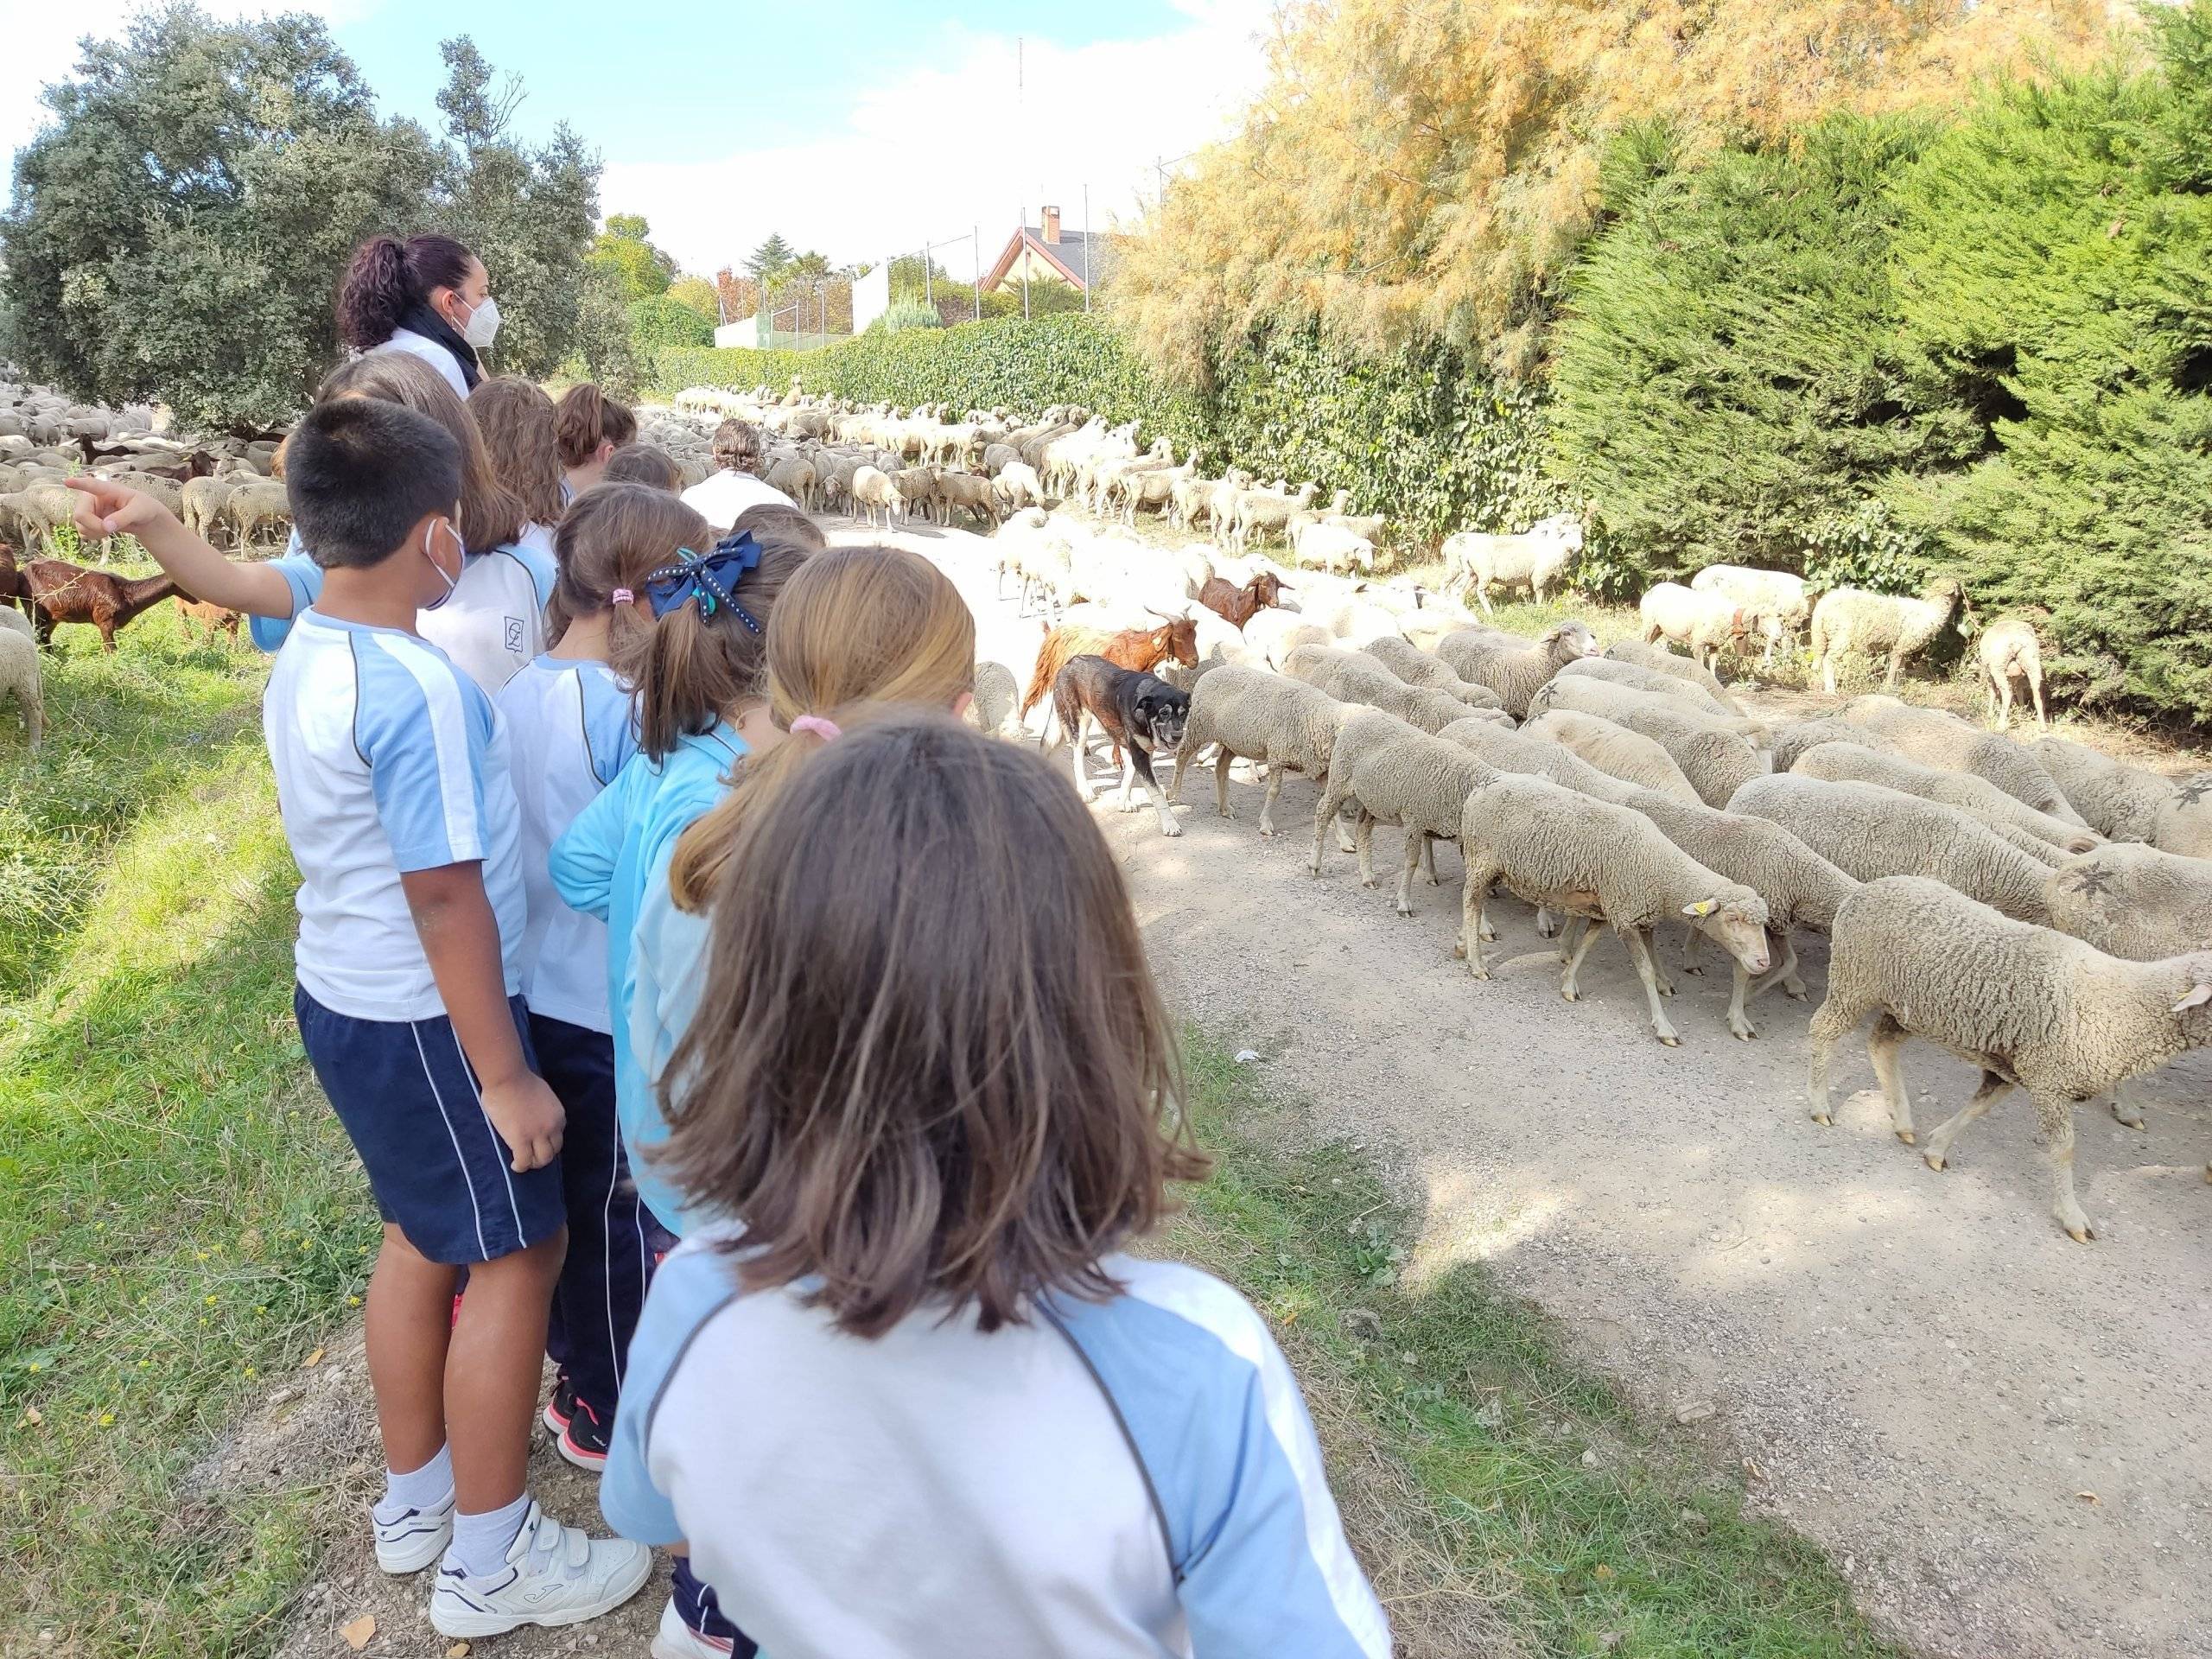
(1976, 797)
(2009, 649)
(1706, 624)
(1251, 713)
(1868, 832)
(1615, 671)
(993, 712)
(1615, 750)
(2034, 1008)
(1535, 559)
(203, 501)
(1558, 848)
(1416, 667)
(1516, 671)
(1354, 677)
(2129, 804)
(1774, 601)
(876, 496)
(1394, 774)
(1017, 487)
(1637, 654)
(1854, 620)
(14, 620)
(1715, 759)
(1332, 546)
(1499, 746)
(1793, 738)
(1274, 634)
(1801, 888)
(256, 504)
(19, 677)
(1935, 738)
(973, 495)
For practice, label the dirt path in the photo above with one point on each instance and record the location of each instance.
(2003, 1438)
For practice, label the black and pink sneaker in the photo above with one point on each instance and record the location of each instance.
(585, 1438)
(560, 1407)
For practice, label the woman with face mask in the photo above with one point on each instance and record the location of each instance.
(429, 297)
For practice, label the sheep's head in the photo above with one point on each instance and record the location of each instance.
(1735, 918)
(1565, 641)
(2193, 1005)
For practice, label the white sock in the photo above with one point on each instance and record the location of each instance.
(480, 1541)
(428, 1488)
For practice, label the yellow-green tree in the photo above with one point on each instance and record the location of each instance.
(1428, 167)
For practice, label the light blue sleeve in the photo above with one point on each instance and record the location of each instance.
(1262, 1566)
(584, 858)
(610, 725)
(304, 577)
(543, 568)
(689, 1288)
(423, 728)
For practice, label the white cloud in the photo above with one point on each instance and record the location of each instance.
(928, 154)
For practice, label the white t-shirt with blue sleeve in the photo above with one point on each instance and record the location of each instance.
(492, 626)
(388, 760)
(1133, 1478)
(571, 729)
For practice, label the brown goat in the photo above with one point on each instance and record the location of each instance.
(209, 617)
(1141, 649)
(55, 591)
(1237, 606)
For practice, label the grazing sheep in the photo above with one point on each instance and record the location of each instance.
(1274, 634)
(1251, 714)
(971, 494)
(1266, 509)
(992, 711)
(1497, 744)
(255, 505)
(797, 478)
(1637, 654)
(1853, 619)
(2034, 1008)
(1616, 751)
(1935, 738)
(1708, 624)
(1017, 486)
(1775, 602)
(1562, 849)
(2129, 804)
(1717, 760)
(1618, 671)
(1977, 796)
(1535, 559)
(1416, 667)
(19, 677)
(204, 499)
(1332, 546)
(1394, 774)
(1793, 740)
(1801, 888)
(1516, 671)
(16, 623)
(1869, 832)
(2008, 650)
(1354, 677)
(920, 490)
(876, 496)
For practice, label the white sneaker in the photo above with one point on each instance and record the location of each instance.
(554, 1575)
(417, 1538)
(676, 1640)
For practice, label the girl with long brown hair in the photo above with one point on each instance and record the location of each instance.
(589, 427)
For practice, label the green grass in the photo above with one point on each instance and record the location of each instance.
(1463, 1393)
(179, 1217)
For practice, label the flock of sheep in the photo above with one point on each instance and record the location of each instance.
(2039, 909)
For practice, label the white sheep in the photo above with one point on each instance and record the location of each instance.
(1637, 654)
(1615, 750)
(1775, 602)
(1513, 668)
(2009, 649)
(1855, 619)
(1869, 832)
(995, 710)
(1332, 547)
(1416, 667)
(1251, 714)
(1273, 634)
(1354, 677)
(2034, 1008)
(877, 496)
(1706, 624)
(1794, 738)
(2129, 804)
(1535, 559)
(1977, 796)
(1618, 671)
(1559, 849)
(1717, 758)
(1937, 739)
(1395, 774)
(19, 675)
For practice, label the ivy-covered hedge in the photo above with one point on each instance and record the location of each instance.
(1415, 435)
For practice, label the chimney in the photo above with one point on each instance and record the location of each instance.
(1051, 223)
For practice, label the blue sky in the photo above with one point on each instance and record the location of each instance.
(856, 126)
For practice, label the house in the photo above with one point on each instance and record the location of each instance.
(1046, 253)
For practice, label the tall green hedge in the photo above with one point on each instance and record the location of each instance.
(1416, 435)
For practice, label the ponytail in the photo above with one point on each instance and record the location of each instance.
(388, 277)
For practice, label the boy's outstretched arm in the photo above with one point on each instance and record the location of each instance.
(106, 508)
(461, 937)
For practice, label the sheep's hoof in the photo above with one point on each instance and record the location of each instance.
(1480, 973)
(2081, 1234)
(1794, 993)
(1367, 881)
(1908, 1137)
(1823, 1119)
(1459, 954)
(2127, 1116)
(1932, 1158)
(1692, 967)
(1405, 909)
(1670, 1039)
(1225, 812)
(1744, 1032)
(1267, 832)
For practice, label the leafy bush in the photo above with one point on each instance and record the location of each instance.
(903, 314)
(2051, 259)
(663, 321)
(1728, 381)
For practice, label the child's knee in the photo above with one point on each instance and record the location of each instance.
(539, 1261)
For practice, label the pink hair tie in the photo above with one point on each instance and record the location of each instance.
(623, 596)
(825, 729)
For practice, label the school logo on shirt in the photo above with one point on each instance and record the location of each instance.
(514, 633)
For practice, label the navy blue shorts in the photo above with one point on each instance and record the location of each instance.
(439, 1171)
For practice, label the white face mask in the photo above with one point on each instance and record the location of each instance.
(451, 582)
(483, 324)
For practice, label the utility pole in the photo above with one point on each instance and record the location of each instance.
(975, 258)
(1089, 251)
(929, 294)
(1021, 221)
